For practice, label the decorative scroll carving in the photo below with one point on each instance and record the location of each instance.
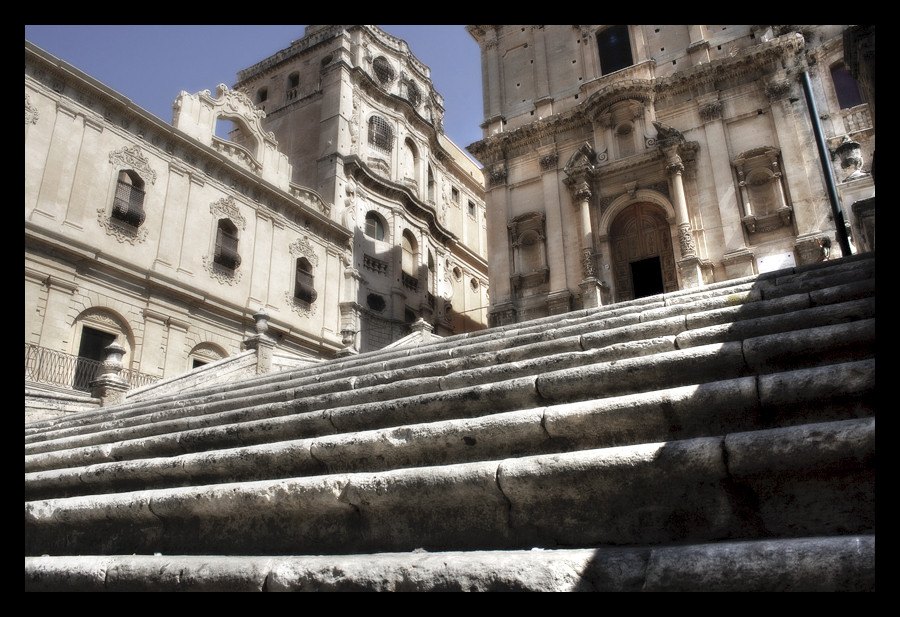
(778, 89)
(587, 264)
(228, 208)
(303, 247)
(497, 175)
(121, 232)
(711, 111)
(549, 161)
(132, 158)
(31, 113)
(304, 309)
(686, 240)
(223, 275)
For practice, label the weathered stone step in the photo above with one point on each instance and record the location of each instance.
(858, 274)
(840, 563)
(610, 343)
(794, 481)
(326, 414)
(808, 395)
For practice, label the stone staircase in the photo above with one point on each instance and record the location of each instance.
(714, 439)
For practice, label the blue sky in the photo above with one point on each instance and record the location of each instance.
(151, 64)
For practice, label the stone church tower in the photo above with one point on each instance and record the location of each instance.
(358, 116)
(626, 161)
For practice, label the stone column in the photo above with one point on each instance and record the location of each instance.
(590, 286)
(109, 387)
(689, 264)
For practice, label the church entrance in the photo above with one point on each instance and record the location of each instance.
(642, 257)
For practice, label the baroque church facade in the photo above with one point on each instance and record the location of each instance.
(626, 161)
(177, 244)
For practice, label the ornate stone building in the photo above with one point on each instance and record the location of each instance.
(338, 214)
(360, 120)
(166, 238)
(624, 161)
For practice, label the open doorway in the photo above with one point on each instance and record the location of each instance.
(91, 352)
(646, 276)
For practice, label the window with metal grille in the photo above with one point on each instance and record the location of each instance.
(384, 73)
(381, 135)
(413, 95)
(303, 281)
(128, 205)
(226, 252)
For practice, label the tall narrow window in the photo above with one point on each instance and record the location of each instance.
(226, 251)
(292, 86)
(614, 46)
(303, 281)
(381, 135)
(845, 86)
(410, 261)
(128, 205)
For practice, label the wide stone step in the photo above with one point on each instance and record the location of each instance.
(801, 480)
(342, 412)
(840, 563)
(690, 411)
(606, 345)
(846, 280)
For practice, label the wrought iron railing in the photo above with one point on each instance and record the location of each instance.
(44, 365)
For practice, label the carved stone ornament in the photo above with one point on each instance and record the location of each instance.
(31, 113)
(223, 275)
(686, 240)
(778, 89)
(132, 158)
(587, 264)
(303, 247)
(498, 175)
(304, 309)
(228, 208)
(121, 232)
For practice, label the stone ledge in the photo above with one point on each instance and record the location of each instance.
(809, 564)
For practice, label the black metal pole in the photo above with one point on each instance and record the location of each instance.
(825, 160)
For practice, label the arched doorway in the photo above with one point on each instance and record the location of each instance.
(642, 257)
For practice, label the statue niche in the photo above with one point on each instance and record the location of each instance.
(764, 201)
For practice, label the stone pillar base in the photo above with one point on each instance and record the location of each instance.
(559, 302)
(591, 293)
(738, 264)
(691, 271)
(110, 389)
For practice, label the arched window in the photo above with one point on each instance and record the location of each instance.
(381, 135)
(384, 73)
(614, 45)
(431, 185)
(128, 205)
(226, 250)
(374, 226)
(413, 94)
(303, 281)
(410, 261)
